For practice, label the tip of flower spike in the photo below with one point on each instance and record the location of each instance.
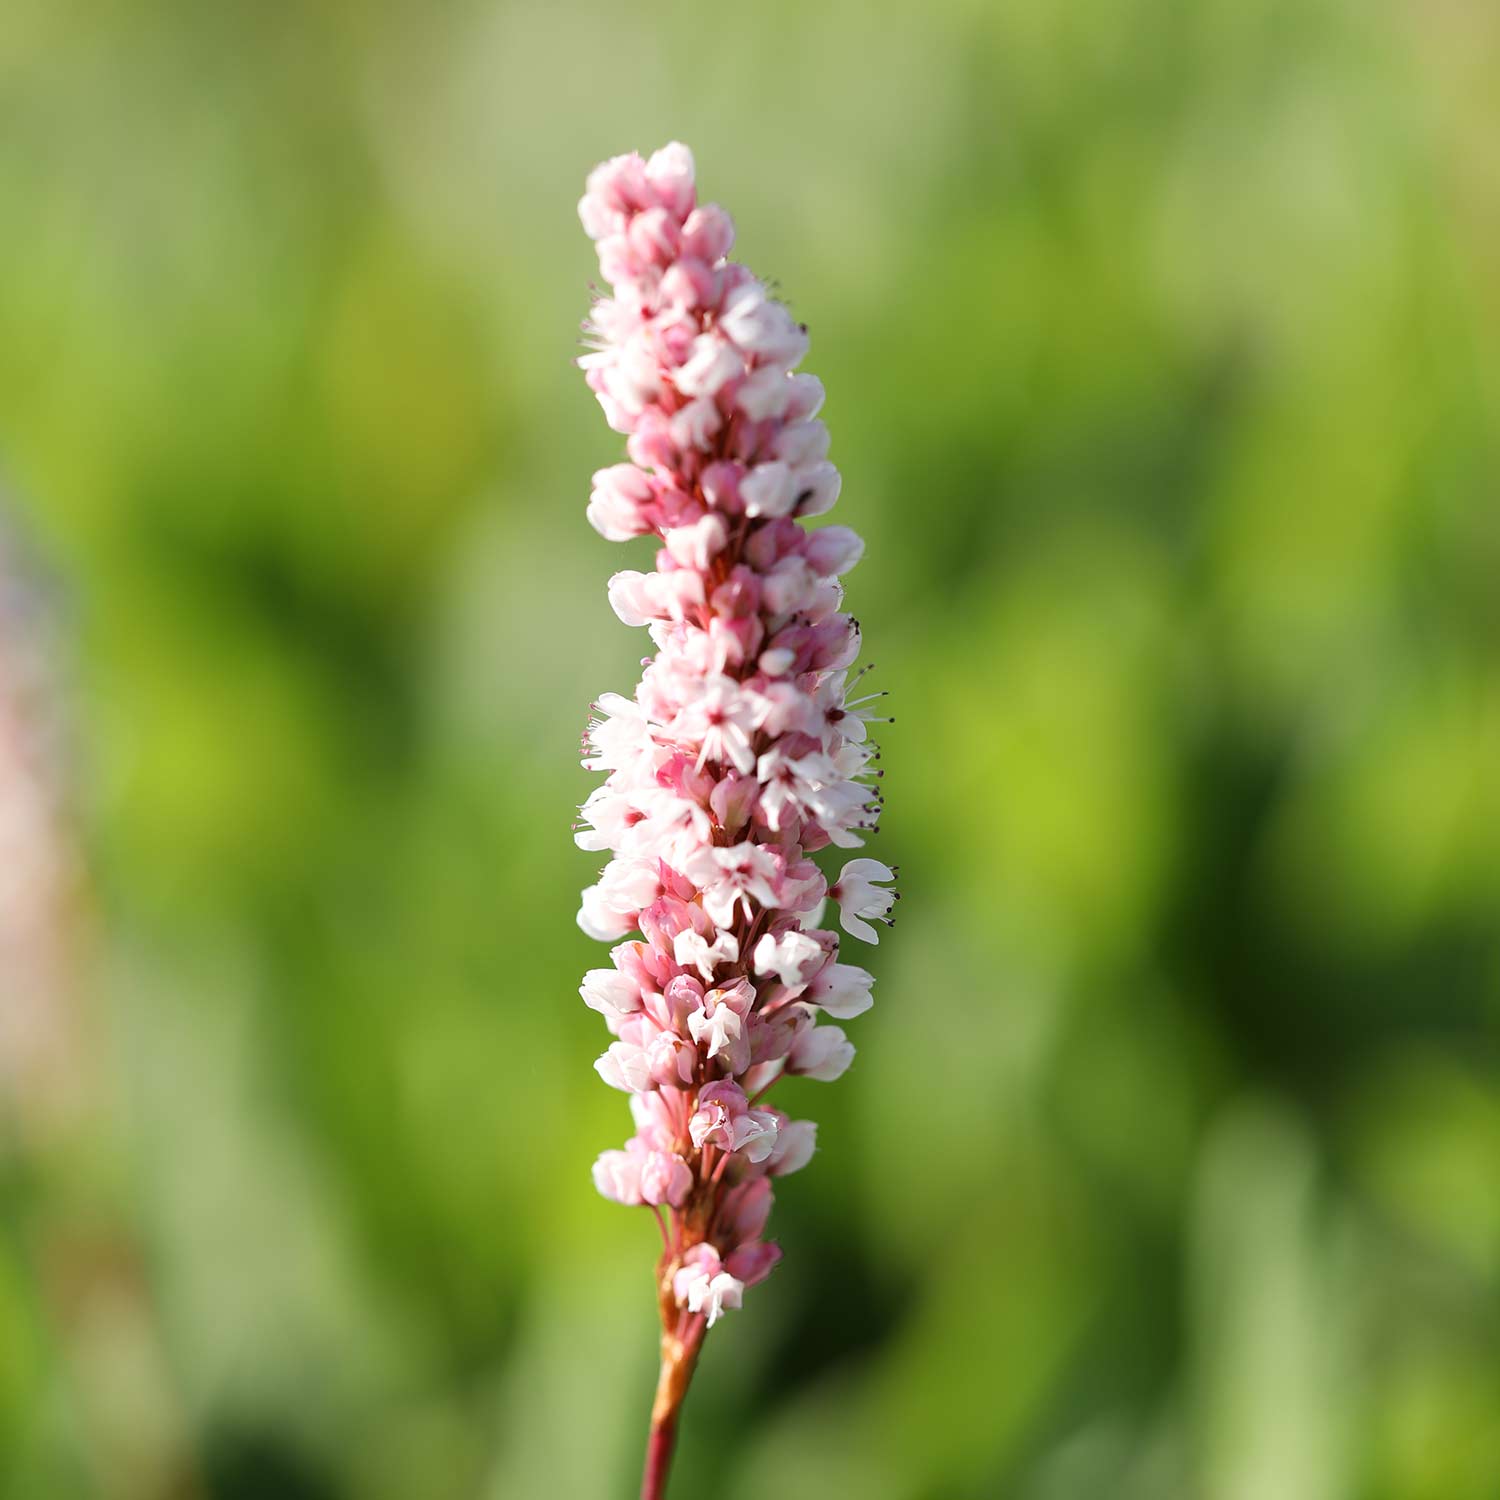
(625, 186)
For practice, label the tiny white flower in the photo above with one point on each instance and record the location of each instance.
(720, 1028)
(721, 718)
(734, 877)
(693, 951)
(859, 897)
(790, 957)
(712, 1295)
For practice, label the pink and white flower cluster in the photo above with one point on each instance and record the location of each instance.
(740, 752)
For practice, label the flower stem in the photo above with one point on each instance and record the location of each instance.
(679, 1358)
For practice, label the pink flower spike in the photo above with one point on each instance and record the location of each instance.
(743, 750)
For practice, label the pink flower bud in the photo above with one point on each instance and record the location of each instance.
(626, 1067)
(617, 507)
(708, 234)
(710, 364)
(799, 444)
(834, 550)
(655, 237)
(697, 545)
(670, 175)
(610, 993)
(795, 1143)
(750, 1264)
(617, 1175)
(632, 598)
(720, 1105)
(745, 1209)
(671, 1059)
(768, 490)
(822, 1052)
(665, 1178)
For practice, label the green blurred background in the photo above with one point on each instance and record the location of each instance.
(1162, 343)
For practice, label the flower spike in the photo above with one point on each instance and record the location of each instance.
(740, 753)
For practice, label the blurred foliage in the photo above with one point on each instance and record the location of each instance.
(1162, 343)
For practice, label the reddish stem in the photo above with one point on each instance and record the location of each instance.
(659, 1446)
(679, 1358)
